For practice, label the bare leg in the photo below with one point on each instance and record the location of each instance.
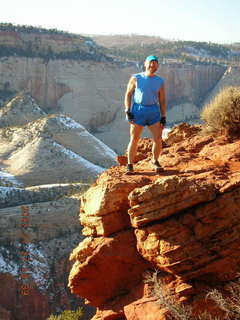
(135, 134)
(156, 130)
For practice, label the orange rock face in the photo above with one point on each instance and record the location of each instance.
(183, 223)
(119, 267)
(32, 303)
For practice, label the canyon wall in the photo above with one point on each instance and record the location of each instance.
(189, 83)
(92, 92)
(72, 74)
(35, 239)
(230, 78)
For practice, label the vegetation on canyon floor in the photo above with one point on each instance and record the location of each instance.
(68, 315)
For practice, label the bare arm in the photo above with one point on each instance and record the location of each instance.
(162, 101)
(129, 92)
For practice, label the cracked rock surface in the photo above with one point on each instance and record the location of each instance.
(183, 222)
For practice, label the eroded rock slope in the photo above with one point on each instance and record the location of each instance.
(183, 223)
(50, 148)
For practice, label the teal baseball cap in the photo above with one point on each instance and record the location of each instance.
(151, 58)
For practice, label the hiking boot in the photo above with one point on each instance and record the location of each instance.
(158, 168)
(129, 169)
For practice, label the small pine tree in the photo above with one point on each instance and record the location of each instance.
(68, 315)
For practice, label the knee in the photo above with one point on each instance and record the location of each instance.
(134, 139)
(157, 138)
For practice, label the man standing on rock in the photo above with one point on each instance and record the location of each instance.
(145, 105)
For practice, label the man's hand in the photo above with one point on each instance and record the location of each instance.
(163, 121)
(129, 115)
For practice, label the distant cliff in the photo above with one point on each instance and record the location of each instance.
(35, 42)
(89, 86)
(90, 92)
(93, 92)
(231, 78)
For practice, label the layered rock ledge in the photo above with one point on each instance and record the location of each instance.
(183, 223)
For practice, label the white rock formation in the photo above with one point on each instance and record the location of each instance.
(53, 149)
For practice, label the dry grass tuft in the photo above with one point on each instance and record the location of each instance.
(166, 298)
(222, 115)
(229, 304)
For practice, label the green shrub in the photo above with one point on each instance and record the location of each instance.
(68, 315)
(222, 115)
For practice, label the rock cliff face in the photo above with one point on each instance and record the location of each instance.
(189, 83)
(92, 92)
(90, 89)
(183, 223)
(35, 239)
(230, 78)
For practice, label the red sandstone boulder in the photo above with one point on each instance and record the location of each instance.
(106, 268)
(108, 212)
(183, 223)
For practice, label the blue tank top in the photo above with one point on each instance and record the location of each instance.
(147, 89)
